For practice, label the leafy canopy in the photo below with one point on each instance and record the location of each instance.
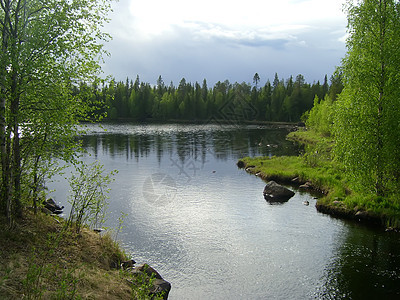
(367, 119)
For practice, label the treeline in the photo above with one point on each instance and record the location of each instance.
(282, 100)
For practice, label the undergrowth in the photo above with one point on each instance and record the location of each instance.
(40, 259)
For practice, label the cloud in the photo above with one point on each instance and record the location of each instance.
(220, 40)
(263, 37)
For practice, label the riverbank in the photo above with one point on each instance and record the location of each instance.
(39, 259)
(319, 174)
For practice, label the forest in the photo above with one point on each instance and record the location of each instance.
(279, 101)
(50, 82)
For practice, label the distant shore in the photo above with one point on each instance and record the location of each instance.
(206, 121)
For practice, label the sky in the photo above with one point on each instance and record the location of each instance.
(220, 40)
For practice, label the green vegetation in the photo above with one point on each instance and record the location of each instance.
(47, 47)
(367, 114)
(89, 188)
(282, 100)
(352, 141)
(41, 259)
(326, 177)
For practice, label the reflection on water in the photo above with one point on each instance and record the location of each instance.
(188, 141)
(206, 227)
(365, 266)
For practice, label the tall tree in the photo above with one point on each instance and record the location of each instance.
(47, 46)
(256, 79)
(368, 110)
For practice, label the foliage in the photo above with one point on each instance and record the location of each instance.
(324, 177)
(142, 283)
(327, 176)
(281, 101)
(121, 219)
(31, 283)
(47, 47)
(88, 195)
(41, 260)
(367, 119)
(320, 117)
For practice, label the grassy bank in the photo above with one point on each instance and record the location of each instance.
(316, 168)
(39, 259)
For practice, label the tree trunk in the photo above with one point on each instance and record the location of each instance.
(379, 183)
(5, 203)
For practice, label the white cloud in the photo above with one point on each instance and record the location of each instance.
(155, 17)
(212, 38)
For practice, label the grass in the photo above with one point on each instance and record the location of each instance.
(41, 260)
(316, 166)
(287, 168)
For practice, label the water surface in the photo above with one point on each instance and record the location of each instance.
(205, 226)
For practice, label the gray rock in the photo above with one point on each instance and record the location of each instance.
(274, 192)
(160, 286)
(52, 206)
(128, 264)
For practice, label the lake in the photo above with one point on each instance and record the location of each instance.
(205, 226)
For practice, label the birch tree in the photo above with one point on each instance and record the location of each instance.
(367, 124)
(47, 46)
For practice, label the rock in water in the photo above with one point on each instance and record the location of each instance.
(274, 192)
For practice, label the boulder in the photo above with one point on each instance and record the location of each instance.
(241, 164)
(52, 206)
(160, 286)
(128, 264)
(274, 192)
(250, 168)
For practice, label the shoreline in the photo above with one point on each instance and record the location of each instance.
(204, 122)
(40, 258)
(336, 208)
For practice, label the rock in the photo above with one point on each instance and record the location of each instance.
(306, 186)
(52, 206)
(160, 286)
(241, 164)
(296, 180)
(274, 192)
(128, 264)
(306, 202)
(148, 270)
(250, 168)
